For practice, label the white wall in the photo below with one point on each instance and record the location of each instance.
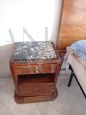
(34, 15)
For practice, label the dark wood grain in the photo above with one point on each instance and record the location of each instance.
(30, 99)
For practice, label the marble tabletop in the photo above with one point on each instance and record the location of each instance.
(33, 51)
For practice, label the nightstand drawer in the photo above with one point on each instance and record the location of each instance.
(35, 69)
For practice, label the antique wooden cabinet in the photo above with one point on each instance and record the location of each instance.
(35, 67)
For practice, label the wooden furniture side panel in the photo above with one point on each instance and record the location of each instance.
(73, 23)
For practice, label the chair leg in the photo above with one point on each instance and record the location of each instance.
(70, 80)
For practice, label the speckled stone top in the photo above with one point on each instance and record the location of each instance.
(34, 51)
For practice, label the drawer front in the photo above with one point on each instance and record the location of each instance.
(35, 69)
(36, 89)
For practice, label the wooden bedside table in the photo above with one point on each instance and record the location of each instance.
(35, 67)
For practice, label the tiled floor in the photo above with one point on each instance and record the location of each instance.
(70, 101)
